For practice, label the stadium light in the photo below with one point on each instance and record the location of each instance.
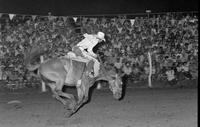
(148, 12)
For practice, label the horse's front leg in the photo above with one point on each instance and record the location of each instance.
(83, 91)
(75, 106)
(55, 92)
(71, 98)
(80, 93)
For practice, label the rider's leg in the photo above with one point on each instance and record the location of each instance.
(86, 55)
(71, 54)
(55, 93)
(77, 50)
(96, 63)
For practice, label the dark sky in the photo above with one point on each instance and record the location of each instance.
(91, 7)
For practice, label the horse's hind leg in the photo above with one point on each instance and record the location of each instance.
(56, 94)
(71, 97)
(67, 95)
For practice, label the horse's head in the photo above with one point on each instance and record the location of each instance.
(115, 85)
(114, 78)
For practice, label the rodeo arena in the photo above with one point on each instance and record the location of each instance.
(98, 63)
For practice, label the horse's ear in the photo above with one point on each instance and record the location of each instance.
(113, 77)
(122, 74)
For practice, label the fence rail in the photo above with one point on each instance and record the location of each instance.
(125, 15)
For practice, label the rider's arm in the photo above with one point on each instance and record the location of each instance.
(82, 43)
(85, 41)
(91, 52)
(85, 35)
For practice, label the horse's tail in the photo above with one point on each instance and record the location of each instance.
(32, 67)
(32, 54)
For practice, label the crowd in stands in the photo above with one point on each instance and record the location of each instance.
(171, 38)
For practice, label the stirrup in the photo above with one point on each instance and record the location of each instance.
(88, 73)
(91, 75)
(80, 59)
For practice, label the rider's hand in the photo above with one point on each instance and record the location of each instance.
(94, 55)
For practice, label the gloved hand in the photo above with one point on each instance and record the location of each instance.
(94, 55)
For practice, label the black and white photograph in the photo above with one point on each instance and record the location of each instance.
(99, 63)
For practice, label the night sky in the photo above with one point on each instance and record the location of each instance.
(92, 7)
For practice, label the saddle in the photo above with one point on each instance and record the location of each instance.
(89, 63)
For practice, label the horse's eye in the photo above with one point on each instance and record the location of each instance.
(113, 78)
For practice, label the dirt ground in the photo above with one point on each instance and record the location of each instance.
(138, 108)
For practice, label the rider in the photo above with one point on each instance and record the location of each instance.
(86, 48)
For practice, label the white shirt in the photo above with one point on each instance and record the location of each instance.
(118, 65)
(88, 43)
(170, 75)
(185, 68)
(127, 70)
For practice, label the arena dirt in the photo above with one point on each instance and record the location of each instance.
(138, 108)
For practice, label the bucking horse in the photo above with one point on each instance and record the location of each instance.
(71, 71)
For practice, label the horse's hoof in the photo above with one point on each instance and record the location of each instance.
(72, 105)
(66, 107)
(53, 96)
(65, 103)
(69, 113)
